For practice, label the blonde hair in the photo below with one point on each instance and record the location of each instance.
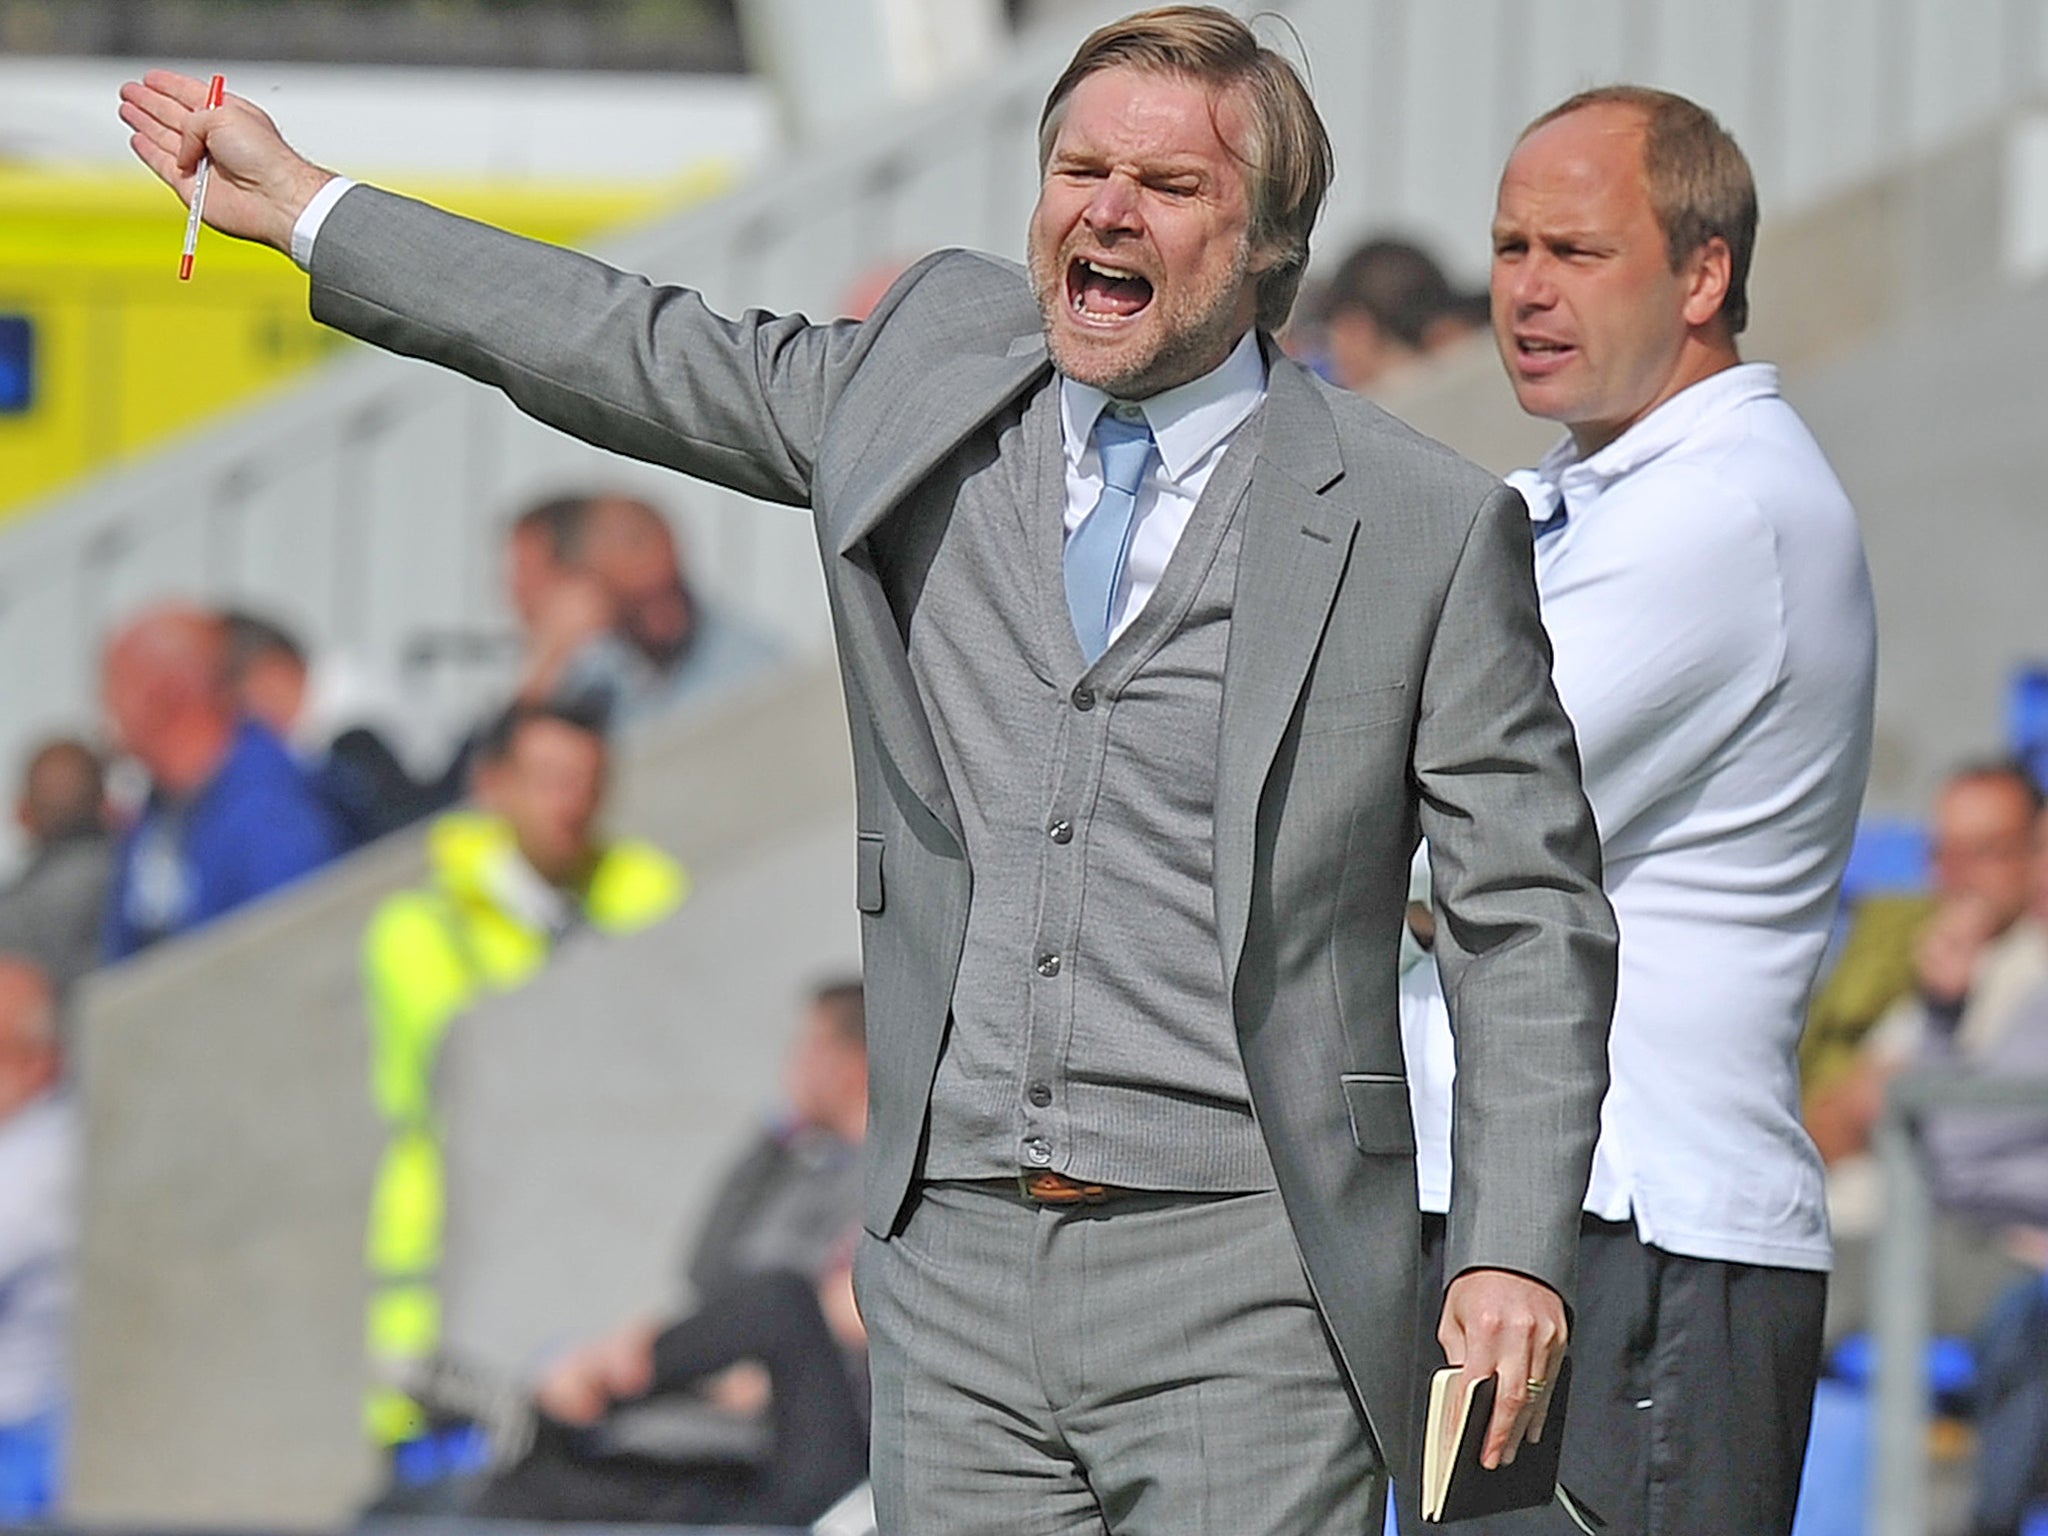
(1288, 160)
(1698, 180)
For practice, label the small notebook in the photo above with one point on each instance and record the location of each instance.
(1454, 1484)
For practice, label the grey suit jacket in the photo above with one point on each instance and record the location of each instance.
(1387, 674)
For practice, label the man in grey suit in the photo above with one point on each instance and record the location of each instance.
(1158, 654)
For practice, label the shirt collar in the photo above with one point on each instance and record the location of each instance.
(1187, 421)
(1563, 474)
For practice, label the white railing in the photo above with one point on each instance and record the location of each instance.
(364, 504)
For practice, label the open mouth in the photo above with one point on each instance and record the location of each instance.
(1539, 357)
(1105, 294)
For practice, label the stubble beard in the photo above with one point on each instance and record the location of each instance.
(1192, 336)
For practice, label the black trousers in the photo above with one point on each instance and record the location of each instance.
(818, 1448)
(1692, 1391)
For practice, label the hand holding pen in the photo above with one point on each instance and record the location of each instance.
(199, 181)
(256, 185)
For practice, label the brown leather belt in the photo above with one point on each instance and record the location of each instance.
(1045, 1187)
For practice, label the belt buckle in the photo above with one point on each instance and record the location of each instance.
(1042, 1186)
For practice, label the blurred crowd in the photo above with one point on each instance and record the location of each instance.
(231, 761)
(1954, 978)
(255, 761)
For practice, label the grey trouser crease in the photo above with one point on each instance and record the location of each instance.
(1150, 1367)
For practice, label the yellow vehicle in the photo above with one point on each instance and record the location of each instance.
(104, 353)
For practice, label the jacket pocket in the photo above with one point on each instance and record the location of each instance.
(1381, 1122)
(1323, 714)
(867, 877)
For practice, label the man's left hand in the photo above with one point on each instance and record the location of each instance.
(1498, 1323)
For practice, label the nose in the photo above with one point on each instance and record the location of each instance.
(1526, 282)
(1113, 209)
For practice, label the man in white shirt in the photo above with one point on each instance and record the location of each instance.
(1704, 588)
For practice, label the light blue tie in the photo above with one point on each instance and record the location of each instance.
(1096, 550)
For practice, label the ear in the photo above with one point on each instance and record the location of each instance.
(1707, 273)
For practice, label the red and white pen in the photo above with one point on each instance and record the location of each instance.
(213, 93)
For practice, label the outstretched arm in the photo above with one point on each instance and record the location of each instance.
(260, 183)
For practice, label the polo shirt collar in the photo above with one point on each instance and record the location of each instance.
(1187, 421)
(1562, 477)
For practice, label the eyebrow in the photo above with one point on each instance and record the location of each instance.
(1158, 166)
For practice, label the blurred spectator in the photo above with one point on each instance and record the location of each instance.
(783, 1342)
(1976, 956)
(506, 885)
(540, 555)
(52, 912)
(793, 1199)
(665, 644)
(609, 624)
(774, 1331)
(229, 815)
(1387, 307)
(352, 766)
(38, 1171)
(561, 610)
(1989, 1170)
(562, 607)
(1980, 962)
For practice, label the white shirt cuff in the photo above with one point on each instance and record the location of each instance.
(307, 230)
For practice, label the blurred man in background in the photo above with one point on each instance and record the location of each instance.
(1388, 307)
(349, 761)
(664, 645)
(507, 885)
(793, 1199)
(1975, 971)
(53, 910)
(38, 1172)
(229, 815)
(1988, 1172)
(609, 625)
(562, 607)
(1958, 974)
(762, 1344)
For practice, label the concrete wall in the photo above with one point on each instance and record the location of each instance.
(1946, 417)
(230, 1144)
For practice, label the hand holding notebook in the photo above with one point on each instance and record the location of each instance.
(1456, 1483)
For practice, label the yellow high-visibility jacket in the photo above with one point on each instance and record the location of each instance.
(428, 955)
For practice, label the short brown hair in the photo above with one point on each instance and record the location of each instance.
(1288, 161)
(1697, 177)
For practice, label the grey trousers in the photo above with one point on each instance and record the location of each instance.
(1150, 1367)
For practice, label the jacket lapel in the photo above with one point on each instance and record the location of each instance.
(1296, 546)
(926, 422)
(930, 418)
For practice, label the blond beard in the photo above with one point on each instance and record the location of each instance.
(1184, 351)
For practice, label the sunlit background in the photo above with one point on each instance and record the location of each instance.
(207, 442)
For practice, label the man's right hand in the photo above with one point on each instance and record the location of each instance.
(1950, 947)
(259, 185)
